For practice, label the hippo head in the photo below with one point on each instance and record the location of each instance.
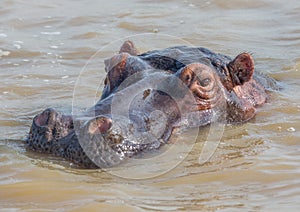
(161, 93)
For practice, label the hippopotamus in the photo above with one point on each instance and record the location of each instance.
(146, 97)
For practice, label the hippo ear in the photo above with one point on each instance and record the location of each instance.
(241, 69)
(187, 75)
(116, 72)
(117, 62)
(100, 124)
(129, 47)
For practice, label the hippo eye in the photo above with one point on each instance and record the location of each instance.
(205, 82)
(187, 78)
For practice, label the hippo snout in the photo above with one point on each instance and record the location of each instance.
(47, 128)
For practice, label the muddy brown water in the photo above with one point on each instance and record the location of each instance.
(44, 46)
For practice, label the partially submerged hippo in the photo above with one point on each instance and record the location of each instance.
(159, 91)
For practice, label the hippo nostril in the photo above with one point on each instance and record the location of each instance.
(45, 117)
(41, 120)
(100, 124)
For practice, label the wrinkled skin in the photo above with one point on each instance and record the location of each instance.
(193, 85)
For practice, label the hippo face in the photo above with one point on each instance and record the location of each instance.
(193, 85)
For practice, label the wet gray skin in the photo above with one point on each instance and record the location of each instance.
(192, 88)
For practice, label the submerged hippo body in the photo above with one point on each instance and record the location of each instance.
(192, 88)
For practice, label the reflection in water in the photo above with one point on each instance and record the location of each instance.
(256, 165)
